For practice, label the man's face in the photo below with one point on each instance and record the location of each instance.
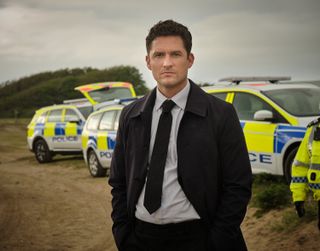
(169, 62)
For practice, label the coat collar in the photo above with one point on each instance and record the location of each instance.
(196, 102)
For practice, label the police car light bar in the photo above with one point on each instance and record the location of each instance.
(238, 80)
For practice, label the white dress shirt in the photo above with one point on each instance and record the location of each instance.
(175, 207)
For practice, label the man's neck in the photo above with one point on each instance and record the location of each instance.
(170, 92)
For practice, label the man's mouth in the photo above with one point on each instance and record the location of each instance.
(167, 73)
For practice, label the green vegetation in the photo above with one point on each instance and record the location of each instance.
(275, 196)
(290, 220)
(20, 98)
(270, 192)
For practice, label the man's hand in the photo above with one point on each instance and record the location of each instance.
(300, 208)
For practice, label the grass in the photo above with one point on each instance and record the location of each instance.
(290, 220)
(13, 134)
(13, 137)
(269, 192)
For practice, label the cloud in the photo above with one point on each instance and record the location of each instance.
(248, 37)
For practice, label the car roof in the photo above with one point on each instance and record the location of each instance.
(108, 108)
(257, 87)
(55, 107)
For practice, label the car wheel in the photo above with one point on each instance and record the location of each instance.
(95, 168)
(288, 165)
(42, 152)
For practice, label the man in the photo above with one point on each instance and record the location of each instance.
(180, 172)
(306, 169)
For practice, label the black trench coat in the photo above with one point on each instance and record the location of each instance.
(213, 166)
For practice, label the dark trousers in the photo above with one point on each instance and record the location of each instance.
(184, 236)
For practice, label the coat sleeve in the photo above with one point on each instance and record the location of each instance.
(300, 166)
(236, 184)
(121, 227)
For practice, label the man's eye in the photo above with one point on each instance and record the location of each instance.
(158, 55)
(176, 54)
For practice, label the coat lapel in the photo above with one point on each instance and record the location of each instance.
(142, 122)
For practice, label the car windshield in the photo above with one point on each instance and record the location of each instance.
(299, 102)
(106, 94)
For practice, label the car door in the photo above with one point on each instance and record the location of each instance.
(54, 129)
(106, 137)
(259, 135)
(73, 127)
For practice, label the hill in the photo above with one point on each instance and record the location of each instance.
(23, 96)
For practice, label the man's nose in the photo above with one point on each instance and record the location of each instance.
(167, 62)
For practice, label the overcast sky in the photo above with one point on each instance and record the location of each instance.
(236, 37)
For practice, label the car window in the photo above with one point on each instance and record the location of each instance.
(247, 104)
(108, 93)
(116, 121)
(55, 115)
(93, 122)
(299, 102)
(42, 118)
(220, 95)
(107, 120)
(71, 115)
(86, 110)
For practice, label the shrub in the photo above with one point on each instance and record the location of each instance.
(290, 220)
(267, 178)
(274, 196)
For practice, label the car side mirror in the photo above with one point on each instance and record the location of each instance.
(75, 121)
(263, 115)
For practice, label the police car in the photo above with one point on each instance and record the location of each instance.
(273, 118)
(57, 129)
(98, 137)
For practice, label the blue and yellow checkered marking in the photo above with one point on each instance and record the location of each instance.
(281, 135)
(314, 185)
(285, 133)
(102, 142)
(111, 141)
(39, 128)
(59, 129)
(93, 141)
(299, 180)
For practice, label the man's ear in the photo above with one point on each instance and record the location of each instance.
(190, 59)
(148, 62)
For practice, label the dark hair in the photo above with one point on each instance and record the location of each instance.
(170, 28)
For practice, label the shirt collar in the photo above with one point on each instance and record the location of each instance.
(180, 98)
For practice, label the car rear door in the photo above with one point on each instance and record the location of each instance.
(73, 128)
(106, 137)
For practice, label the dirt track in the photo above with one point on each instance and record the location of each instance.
(58, 206)
(52, 207)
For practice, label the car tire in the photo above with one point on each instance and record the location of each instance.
(95, 168)
(42, 152)
(288, 165)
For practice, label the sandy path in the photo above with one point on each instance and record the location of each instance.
(53, 207)
(59, 206)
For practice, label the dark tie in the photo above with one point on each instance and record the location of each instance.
(153, 192)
